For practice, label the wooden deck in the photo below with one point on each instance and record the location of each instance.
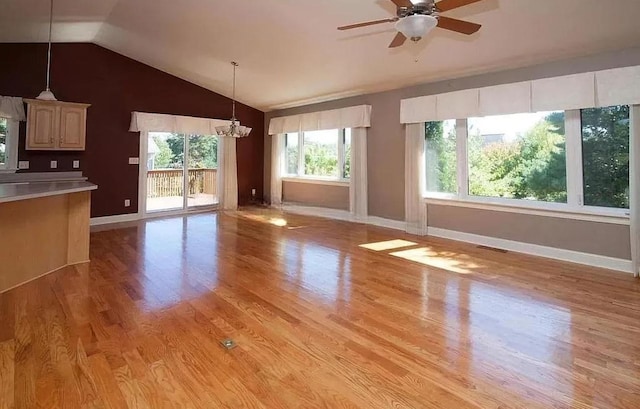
(326, 314)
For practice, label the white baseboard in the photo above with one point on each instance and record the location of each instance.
(388, 223)
(120, 218)
(594, 260)
(342, 215)
(318, 211)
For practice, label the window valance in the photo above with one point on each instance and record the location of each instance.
(351, 117)
(148, 122)
(12, 108)
(594, 89)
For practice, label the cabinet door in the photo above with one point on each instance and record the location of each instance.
(72, 128)
(42, 127)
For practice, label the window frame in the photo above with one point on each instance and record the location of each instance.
(573, 208)
(300, 176)
(11, 147)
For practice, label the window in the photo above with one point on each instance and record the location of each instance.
(605, 156)
(8, 144)
(440, 154)
(519, 156)
(574, 160)
(292, 153)
(3, 142)
(346, 170)
(319, 154)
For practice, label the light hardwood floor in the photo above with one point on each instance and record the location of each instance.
(320, 322)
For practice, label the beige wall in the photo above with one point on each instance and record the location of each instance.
(314, 194)
(610, 240)
(385, 155)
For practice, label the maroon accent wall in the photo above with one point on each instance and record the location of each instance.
(115, 86)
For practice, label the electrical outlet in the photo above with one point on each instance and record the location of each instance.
(253, 192)
(54, 164)
(23, 164)
(127, 202)
(76, 164)
(134, 161)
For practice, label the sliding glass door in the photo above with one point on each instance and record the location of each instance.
(181, 171)
(203, 170)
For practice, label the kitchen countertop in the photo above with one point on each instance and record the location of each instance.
(11, 192)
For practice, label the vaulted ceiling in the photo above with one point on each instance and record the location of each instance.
(290, 52)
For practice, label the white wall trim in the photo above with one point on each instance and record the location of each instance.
(318, 211)
(120, 218)
(600, 215)
(594, 260)
(317, 181)
(388, 223)
(341, 215)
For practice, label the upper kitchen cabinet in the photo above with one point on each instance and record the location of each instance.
(56, 125)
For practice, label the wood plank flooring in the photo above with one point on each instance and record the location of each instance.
(320, 320)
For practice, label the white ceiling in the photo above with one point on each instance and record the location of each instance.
(290, 52)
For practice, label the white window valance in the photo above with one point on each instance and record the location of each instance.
(12, 108)
(560, 93)
(149, 122)
(414, 110)
(351, 117)
(620, 86)
(458, 104)
(505, 99)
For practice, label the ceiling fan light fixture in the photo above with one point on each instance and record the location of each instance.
(416, 26)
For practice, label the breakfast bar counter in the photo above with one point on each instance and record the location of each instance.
(44, 226)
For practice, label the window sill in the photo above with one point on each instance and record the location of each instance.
(317, 181)
(601, 215)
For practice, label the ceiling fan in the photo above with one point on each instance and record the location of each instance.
(415, 20)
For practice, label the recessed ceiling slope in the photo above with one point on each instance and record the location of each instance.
(290, 52)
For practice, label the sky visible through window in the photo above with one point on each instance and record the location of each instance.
(328, 137)
(508, 125)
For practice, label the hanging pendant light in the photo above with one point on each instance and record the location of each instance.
(47, 95)
(234, 129)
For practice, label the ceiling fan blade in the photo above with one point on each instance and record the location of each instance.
(368, 23)
(403, 3)
(398, 40)
(456, 25)
(446, 5)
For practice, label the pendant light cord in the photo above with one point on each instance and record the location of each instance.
(49, 49)
(233, 103)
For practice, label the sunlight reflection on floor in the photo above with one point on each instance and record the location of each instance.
(388, 245)
(276, 221)
(428, 257)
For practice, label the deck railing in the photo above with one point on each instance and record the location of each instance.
(168, 182)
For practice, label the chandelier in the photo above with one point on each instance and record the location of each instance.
(234, 129)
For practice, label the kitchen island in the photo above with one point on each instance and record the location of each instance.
(44, 226)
